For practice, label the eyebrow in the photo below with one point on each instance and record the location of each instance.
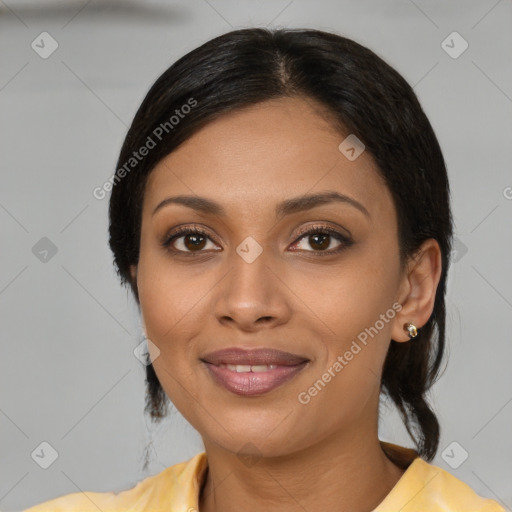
(287, 207)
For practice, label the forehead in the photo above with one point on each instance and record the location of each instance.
(263, 154)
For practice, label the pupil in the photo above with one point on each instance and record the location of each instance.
(195, 241)
(322, 245)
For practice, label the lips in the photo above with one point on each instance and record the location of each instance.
(253, 357)
(252, 372)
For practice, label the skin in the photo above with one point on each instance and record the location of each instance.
(323, 455)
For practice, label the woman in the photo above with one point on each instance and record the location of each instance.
(281, 212)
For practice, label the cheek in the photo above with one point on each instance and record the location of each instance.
(356, 304)
(174, 309)
(170, 296)
(349, 296)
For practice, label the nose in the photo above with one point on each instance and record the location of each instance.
(252, 295)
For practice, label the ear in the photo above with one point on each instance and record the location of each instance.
(417, 290)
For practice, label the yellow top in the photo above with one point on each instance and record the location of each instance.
(423, 487)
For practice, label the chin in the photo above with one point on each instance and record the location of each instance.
(259, 444)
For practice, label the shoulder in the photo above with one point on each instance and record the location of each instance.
(175, 485)
(427, 487)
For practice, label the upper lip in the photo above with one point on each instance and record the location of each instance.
(258, 356)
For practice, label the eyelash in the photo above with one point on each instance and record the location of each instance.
(312, 230)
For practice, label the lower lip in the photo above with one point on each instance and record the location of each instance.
(253, 383)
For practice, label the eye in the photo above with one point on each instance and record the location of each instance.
(187, 240)
(195, 240)
(320, 238)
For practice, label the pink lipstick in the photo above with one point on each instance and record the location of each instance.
(251, 372)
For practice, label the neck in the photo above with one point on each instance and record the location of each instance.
(343, 473)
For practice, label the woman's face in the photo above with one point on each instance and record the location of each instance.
(253, 280)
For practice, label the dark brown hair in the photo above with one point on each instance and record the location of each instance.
(365, 96)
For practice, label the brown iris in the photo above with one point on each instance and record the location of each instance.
(324, 244)
(194, 241)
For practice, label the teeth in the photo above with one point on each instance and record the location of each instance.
(259, 368)
(244, 368)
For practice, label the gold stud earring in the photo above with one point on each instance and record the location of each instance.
(411, 329)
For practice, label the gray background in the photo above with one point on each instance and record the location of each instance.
(68, 375)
